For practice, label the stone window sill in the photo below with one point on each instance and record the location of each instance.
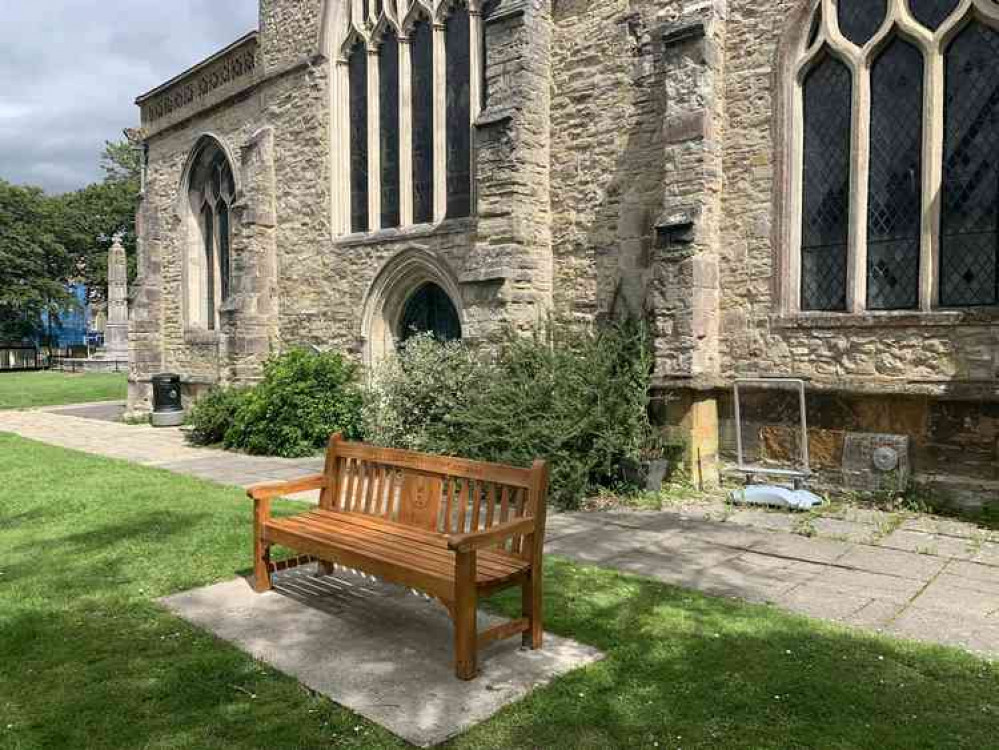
(200, 337)
(401, 234)
(979, 316)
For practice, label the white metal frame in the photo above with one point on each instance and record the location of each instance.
(749, 469)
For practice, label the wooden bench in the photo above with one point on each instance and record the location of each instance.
(451, 528)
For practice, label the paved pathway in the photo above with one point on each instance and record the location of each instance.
(163, 448)
(930, 579)
(925, 578)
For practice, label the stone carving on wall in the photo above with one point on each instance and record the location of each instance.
(233, 65)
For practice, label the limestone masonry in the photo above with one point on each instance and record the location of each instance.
(628, 156)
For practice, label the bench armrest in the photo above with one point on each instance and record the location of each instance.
(490, 537)
(280, 489)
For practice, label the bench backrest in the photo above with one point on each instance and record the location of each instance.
(434, 493)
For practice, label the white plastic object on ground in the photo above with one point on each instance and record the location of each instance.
(776, 497)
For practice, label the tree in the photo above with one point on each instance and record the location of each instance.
(89, 218)
(34, 264)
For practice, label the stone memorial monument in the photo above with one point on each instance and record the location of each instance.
(116, 331)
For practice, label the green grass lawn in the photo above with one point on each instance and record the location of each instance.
(88, 660)
(23, 390)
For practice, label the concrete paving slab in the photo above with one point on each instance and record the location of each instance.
(877, 614)
(870, 585)
(937, 626)
(600, 544)
(941, 545)
(959, 597)
(110, 411)
(764, 519)
(839, 528)
(936, 525)
(802, 548)
(376, 649)
(893, 562)
(973, 573)
(827, 603)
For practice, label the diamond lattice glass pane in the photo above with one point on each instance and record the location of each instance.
(358, 73)
(422, 46)
(895, 178)
(459, 117)
(969, 243)
(828, 95)
(859, 20)
(932, 13)
(208, 231)
(225, 270)
(388, 113)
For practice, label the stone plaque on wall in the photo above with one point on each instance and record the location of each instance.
(873, 462)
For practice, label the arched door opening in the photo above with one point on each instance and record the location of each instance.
(429, 310)
(414, 292)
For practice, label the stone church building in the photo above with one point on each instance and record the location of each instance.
(804, 188)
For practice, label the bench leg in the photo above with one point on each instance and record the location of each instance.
(532, 608)
(261, 549)
(261, 566)
(465, 624)
(326, 568)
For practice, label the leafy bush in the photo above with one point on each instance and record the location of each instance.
(303, 399)
(213, 414)
(411, 396)
(576, 397)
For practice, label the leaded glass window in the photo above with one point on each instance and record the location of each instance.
(969, 246)
(932, 13)
(388, 82)
(208, 233)
(895, 178)
(212, 191)
(826, 179)
(418, 103)
(422, 67)
(358, 74)
(877, 216)
(859, 20)
(224, 261)
(430, 310)
(459, 133)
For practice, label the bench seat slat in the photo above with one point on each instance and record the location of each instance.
(428, 556)
(431, 546)
(493, 565)
(406, 538)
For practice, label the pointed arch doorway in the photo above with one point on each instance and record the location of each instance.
(429, 310)
(415, 292)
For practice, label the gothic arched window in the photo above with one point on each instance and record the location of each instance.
(409, 84)
(826, 180)
(969, 247)
(358, 76)
(211, 191)
(422, 46)
(894, 168)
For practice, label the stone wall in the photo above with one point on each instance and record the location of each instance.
(295, 283)
(932, 352)
(637, 128)
(289, 31)
(625, 161)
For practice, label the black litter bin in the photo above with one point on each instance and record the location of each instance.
(168, 405)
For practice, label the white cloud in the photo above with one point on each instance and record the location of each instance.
(70, 71)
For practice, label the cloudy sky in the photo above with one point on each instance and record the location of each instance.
(70, 71)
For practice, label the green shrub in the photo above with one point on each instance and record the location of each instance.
(213, 414)
(576, 397)
(303, 399)
(410, 396)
